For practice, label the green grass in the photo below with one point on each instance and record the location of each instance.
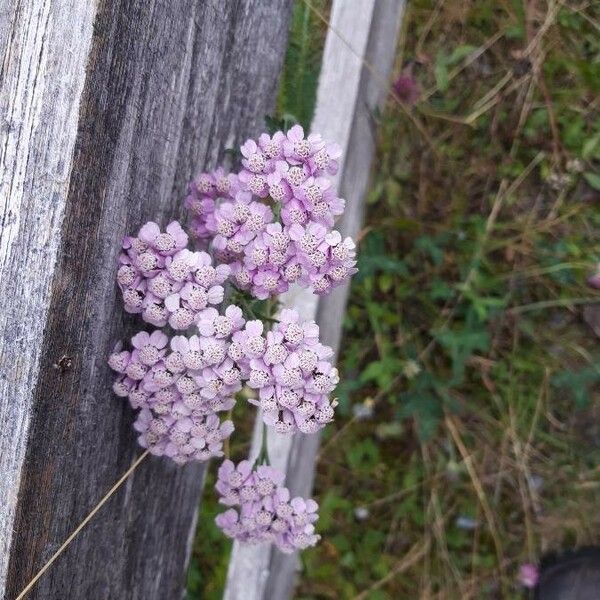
(298, 84)
(465, 339)
(482, 451)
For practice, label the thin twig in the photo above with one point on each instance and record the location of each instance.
(413, 556)
(561, 302)
(481, 495)
(83, 523)
(471, 58)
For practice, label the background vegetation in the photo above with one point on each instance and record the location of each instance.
(468, 440)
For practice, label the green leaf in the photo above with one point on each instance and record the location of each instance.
(382, 372)
(442, 62)
(273, 124)
(430, 246)
(591, 148)
(440, 290)
(515, 32)
(484, 305)
(460, 345)
(593, 180)
(329, 505)
(343, 392)
(577, 383)
(423, 404)
(348, 560)
(373, 258)
(363, 456)
(440, 72)
(459, 53)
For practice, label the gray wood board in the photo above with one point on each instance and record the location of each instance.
(347, 97)
(108, 110)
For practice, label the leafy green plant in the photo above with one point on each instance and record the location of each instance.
(302, 65)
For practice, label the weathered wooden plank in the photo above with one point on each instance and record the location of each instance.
(39, 104)
(110, 109)
(347, 95)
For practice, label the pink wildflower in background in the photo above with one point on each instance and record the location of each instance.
(594, 280)
(529, 575)
(407, 88)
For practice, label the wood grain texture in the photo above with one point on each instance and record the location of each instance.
(157, 92)
(347, 96)
(42, 75)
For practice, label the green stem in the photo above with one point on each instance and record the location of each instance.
(226, 447)
(265, 318)
(271, 308)
(263, 455)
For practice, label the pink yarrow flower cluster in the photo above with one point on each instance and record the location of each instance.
(273, 221)
(181, 380)
(268, 226)
(265, 511)
(180, 385)
(201, 198)
(165, 282)
(291, 370)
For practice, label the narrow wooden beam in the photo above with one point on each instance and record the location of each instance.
(108, 109)
(39, 105)
(347, 96)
